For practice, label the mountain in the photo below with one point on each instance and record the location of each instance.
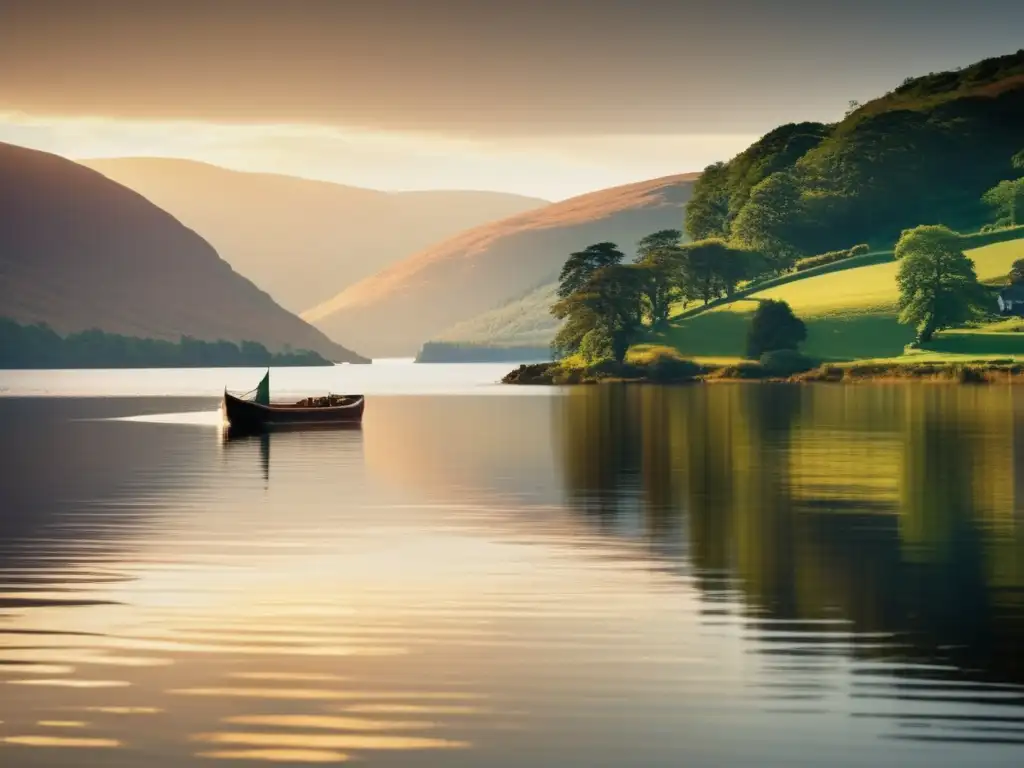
(922, 154)
(78, 251)
(396, 310)
(303, 241)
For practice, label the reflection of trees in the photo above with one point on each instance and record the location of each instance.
(763, 534)
(922, 543)
(942, 543)
(602, 457)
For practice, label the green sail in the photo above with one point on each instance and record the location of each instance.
(263, 390)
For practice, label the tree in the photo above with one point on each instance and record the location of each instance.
(579, 320)
(709, 268)
(736, 265)
(876, 172)
(1018, 160)
(1017, 272)
(657, 244)
(659, 290)
(609, 301)
(658, 257)
(1007, 199)
(707, 213)
(597, 345)
(938, 286)
(770, 220)
(774, 327)
(582, 264)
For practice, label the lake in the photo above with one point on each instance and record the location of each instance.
(711, 575)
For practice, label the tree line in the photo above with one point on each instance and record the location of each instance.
(926, 152)
(606, 303)
(39, 346)
(938, 284)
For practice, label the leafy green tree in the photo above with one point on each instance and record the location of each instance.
(938, 285)
(659, 290)
(710, 268)
(658, 257)
(1018, 160)
(581, 265)
(737, 265)
(1017, 272)
(657, 244)
(1007, 199)
(698, 276)
(707, 213)
(610, 300)
(597, 345)
(578, 320)
(774, 327)
(769, 222)
(927, 152)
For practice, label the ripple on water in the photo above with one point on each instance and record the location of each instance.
(291, 756)
(353, 741)
(620, 601)
(65, 742)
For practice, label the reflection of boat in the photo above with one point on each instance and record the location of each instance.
(256, 413)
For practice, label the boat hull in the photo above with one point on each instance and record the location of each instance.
(247, 416)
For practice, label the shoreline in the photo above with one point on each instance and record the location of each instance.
(554, 374)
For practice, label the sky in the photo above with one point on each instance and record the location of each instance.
(548, 98)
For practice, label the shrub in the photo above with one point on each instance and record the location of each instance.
(567, 376)
(666, 370)
(746, 370)
(537, 373)
(966, 374)
(802, 265)
(610, 369)
(830, 373)
(774, 326)
(785, 362)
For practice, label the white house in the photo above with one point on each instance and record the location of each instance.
(1011, 300)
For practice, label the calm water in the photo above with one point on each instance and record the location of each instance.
(702, 576)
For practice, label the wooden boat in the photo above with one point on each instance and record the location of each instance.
(257, 414)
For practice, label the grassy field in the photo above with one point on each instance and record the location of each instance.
(849, 314)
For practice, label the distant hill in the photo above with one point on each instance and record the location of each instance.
(393, 312)
(303, 241)
(78, 251)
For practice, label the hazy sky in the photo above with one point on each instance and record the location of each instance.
(549, 98)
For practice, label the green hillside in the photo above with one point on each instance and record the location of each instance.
(849, 314)
(923, 153)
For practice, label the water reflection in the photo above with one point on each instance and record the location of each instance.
(878, 525)
(720, 575)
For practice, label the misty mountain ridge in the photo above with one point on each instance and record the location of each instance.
(304, 240)
(393, 312)
(79, 251)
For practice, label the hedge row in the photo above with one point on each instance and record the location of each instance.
(802, 265)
